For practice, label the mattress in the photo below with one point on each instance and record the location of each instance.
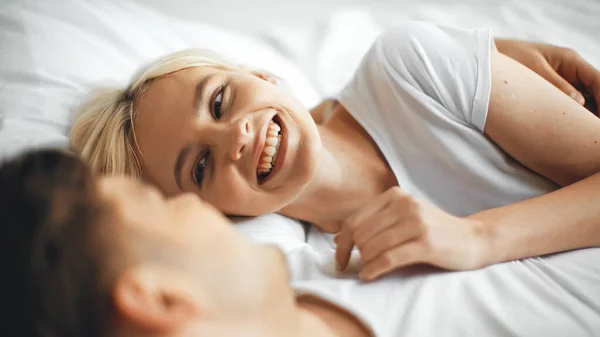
(53, 53)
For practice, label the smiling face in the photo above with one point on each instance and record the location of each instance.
(236, 139)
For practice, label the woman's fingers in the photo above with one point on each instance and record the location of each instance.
(369, 220)
(589, 77)
(578, 71)
(386, 240)
(378, 222)
(401, 256)
(553, 77)
(343, 251)
(345, 238)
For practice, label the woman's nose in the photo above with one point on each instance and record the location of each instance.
(240, 138)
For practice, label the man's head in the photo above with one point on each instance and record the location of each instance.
(98, 257)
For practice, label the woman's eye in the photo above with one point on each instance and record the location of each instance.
(217, 104)
(198, 174)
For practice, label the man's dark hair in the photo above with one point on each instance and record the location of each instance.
(49, 213)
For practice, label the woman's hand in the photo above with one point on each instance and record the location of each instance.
(395, 230)
(563, 67)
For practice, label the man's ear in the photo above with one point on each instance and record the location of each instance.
(156, 299)
(266, 76)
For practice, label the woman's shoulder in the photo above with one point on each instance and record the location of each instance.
(406, 59)
(418, 47)
(431, 62)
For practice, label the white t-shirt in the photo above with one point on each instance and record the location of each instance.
(422, 93)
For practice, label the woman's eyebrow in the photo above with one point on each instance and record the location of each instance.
(199, 94)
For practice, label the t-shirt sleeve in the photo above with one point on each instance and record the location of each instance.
(450, 65)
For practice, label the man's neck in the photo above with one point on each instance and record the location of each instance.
(321, 318)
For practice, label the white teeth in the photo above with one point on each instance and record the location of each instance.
(271, 146)
(269, 150)
(272, 141)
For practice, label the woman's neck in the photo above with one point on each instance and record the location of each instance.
(352, 170)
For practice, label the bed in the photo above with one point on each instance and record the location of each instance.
(54, 52)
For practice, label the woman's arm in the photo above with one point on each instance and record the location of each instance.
(551, 134)
(539, 126)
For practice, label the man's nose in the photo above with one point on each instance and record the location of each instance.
(240, 138)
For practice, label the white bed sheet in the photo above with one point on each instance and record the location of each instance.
(551, 296)
(326, 39)
(329, 50)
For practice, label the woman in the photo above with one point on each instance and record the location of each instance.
(441, 149)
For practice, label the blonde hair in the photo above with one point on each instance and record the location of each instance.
(103, 133)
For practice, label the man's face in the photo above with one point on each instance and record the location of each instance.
(239, 283)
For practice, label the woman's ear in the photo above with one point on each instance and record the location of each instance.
(155, 299)
(266, 76)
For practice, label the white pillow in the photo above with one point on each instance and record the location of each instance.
(53, 53)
